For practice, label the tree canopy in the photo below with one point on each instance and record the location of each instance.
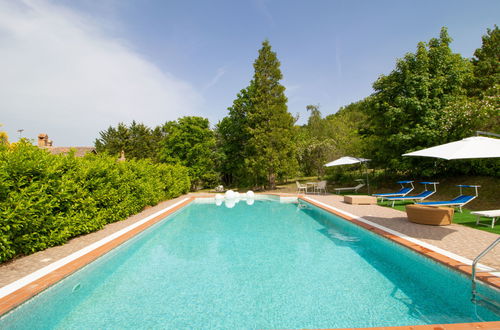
(189, 141)
(486, 63)
(406, 110)
(137, 140)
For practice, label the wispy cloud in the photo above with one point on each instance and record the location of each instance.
(62, 75)
(291, 89)
(220, 72)
(264, 10)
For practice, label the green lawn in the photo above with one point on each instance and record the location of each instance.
(464, 218)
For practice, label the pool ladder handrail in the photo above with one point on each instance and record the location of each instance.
(475, 294)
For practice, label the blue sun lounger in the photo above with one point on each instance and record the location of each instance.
(423, 195)
(458, 201)
(401, 192)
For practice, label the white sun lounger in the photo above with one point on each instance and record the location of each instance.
(359, 186)
(493, 214)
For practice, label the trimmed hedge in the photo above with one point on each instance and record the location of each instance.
(47, 199)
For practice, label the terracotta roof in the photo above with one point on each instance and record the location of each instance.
(79, 151)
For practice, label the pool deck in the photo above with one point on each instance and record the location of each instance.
(460, 240)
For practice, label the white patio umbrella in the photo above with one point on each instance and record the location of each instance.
(348, 160)
(471, 147)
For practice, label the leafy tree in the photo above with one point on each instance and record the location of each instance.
(315, 123)
(232, 136)
(313, 154)
(483, 109)
(314, 147)
(189, 141)
(486, 62)
(270, 151)
(406, 110)
(345, 128)
(4, 138)
(324, 139)
(137, 140)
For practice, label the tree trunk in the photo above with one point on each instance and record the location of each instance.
(272, 180)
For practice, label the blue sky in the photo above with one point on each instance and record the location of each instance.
(76, 67)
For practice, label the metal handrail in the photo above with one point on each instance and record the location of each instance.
(474, 263)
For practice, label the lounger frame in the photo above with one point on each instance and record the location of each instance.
(401, 193)
(423, 195)
(458, 201)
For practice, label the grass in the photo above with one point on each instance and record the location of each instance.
(465, 218)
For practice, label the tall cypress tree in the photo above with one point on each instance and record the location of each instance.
(270, 150)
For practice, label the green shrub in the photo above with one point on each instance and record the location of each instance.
(47, 199)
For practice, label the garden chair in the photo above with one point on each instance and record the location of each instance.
(321, 186)
(301, 187)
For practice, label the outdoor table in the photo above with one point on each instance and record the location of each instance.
(313, 184)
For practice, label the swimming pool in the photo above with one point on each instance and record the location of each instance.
(266, 265)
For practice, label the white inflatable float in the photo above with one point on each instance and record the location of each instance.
(231, 198)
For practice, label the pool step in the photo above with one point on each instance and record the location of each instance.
(488, 303)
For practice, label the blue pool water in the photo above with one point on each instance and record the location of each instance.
(268, 265)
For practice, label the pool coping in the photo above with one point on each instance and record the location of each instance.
(17, 292)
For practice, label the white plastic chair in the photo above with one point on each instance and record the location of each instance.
(301, 187)
(321, 186)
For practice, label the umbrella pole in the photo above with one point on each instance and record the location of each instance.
(367, 181)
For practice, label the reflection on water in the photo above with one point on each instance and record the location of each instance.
(336, 235)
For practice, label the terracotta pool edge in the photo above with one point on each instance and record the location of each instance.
(485, 277)
(33, 288)
(455, 326)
